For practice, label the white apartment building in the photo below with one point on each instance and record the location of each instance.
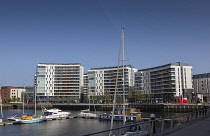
(17, 93)
(59, 80)
(102, 81)
(165, 82)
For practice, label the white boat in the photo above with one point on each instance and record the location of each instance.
(87, 114)
(16, 117)
(55, 113)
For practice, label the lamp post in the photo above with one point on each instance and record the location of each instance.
(192, 97)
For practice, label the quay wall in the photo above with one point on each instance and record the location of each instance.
(108, 107)
(142, 107)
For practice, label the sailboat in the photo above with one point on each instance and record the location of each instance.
(87, 114)
(34, 118)
(121, 113)
(17, 116)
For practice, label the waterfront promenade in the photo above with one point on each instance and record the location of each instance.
(199, 127)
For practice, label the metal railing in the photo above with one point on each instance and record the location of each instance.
(154, 127)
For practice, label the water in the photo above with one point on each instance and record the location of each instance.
(66, 127)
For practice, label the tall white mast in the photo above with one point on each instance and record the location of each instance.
(123, 78)
(35, 98)
(1, 108)
(116, 84)
(23, 98)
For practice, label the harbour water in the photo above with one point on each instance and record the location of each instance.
(65, 127)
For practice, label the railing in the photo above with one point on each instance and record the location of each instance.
(154, 127)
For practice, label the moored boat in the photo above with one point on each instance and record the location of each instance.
(55, 113)
(31, 119)
(87, 114)
(130, 114)
(16, 117)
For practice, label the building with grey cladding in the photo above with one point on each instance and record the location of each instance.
(201, 85)
(103, 81)
(166, 82)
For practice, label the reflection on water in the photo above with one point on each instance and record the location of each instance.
(66, 127)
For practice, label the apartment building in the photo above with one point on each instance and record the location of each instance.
(5, 92)
(166, 82)
(201, 85)
(61, 80)
(103, 81)
(17, 93)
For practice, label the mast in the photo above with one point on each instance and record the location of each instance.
(23, 98)
(35, 99)
(1, 108)
(123, 78)
(121, 52)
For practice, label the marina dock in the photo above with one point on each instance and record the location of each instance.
(6, 122)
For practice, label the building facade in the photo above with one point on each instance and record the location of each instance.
(201, 85)
(17, 93)
(103, 81)
(5, 92)
(166, 82)
(59, 80)
(84, 96)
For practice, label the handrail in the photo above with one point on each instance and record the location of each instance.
(148, 127)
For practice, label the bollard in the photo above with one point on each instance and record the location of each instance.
(162, 125)
(172, 122)
(152, 118)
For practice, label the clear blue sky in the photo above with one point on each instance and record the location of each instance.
(157, 32)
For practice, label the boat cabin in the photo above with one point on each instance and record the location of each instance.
(129, 112)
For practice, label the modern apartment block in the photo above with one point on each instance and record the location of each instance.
(59, 80)
(201, 84)
(17, 93)
(165, 82)
(103, 81)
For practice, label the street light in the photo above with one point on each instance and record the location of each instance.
(192, 96)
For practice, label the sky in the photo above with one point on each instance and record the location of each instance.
(157, 32)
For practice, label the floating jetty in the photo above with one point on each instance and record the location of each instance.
(5, 122)
(60, 118)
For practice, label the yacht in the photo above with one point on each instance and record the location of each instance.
(16, 117)
(54, 113)
(87, 114)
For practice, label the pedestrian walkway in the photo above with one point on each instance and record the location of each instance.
(198, 128)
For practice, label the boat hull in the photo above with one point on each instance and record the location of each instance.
(35, 120)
